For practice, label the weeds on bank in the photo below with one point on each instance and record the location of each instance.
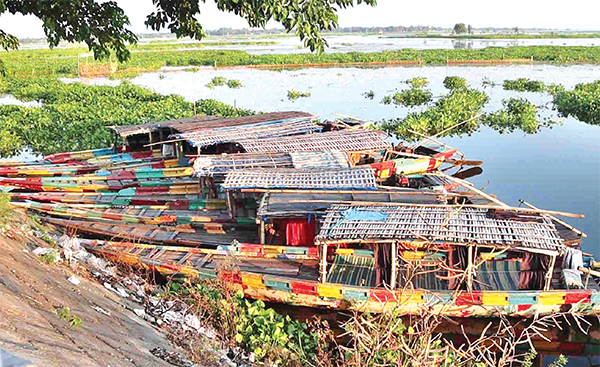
(64, 314)
(49, 257)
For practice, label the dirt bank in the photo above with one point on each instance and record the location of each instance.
(30, 292)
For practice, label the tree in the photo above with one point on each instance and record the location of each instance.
(102, 25)
(469, 29)
(460, 28)
(516, 30)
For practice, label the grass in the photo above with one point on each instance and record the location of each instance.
(64, 61)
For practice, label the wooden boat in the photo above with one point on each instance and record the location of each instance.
(308, 218)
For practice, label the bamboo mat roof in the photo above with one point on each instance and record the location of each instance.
(355, 178)
(221, 164)
(208, 122)
(446, 224)
(236, 134)
(343, 140)
(178, 125)
(301, 204)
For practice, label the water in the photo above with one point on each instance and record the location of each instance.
(373, 43)
(556, 169)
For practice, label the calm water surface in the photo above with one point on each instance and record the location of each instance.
(557, 169)
(374, 43)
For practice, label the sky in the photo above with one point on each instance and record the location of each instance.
(574, 14)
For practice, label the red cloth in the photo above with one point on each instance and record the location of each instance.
(299, 232)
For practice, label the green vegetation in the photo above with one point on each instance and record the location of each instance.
(64, 61)
(457, 106)
(6, 212)
(264, 332)
(583, 102)
(417, 82)
(217, 81)
(524, 85)
(410, 97)
(517, 113)
(294, 94)
(273, 338)
(49, 257)
(75, 116)
(369, 95)
(64, 313)
(234, 84)
(455, 82)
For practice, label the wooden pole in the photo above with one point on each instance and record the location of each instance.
(470, 270)
(589, 271)
(262, 232)
(323, 263)
(434, 140)
(394, 250)
(230, 204)
(469, 186)
(455, 206)
(556, 220)
(549, 274)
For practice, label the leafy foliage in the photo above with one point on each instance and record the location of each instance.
(234, 84)
(524, 85)
(64, 313)
(76, 116)
(455, 82)
(64, 61)
(457, 106)
(6, 212)
(49, 257)
(263, 331)
(217, 81)
(102, 26)
(517, 113)
(418, 82)
(583, 102)
(410, 97)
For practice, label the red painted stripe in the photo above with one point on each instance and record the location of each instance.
(572, 348)
(112, 216)
(474, 298)
(230, 277)
(304, 288)
(382, 295)
(432, 163)
(577, 296)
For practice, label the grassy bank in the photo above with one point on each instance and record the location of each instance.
(64, 61)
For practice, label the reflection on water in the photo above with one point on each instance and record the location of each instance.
(557, 168)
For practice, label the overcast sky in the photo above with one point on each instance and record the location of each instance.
(573, 14)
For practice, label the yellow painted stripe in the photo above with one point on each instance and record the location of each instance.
(344, 251)
(552, 298)
(254, 281)
(495, 299)
(329, 291)
(410, 297)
